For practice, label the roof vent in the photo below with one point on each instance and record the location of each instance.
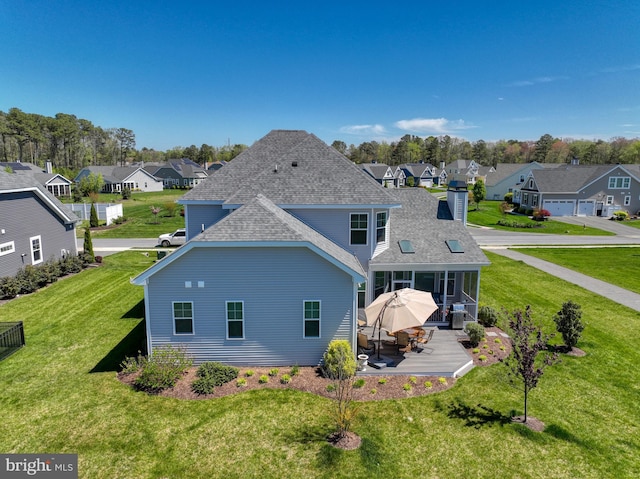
(275, 169)
(294, 163)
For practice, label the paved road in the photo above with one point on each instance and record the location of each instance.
(498, 242)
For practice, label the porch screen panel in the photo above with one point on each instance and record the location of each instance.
(425, 281)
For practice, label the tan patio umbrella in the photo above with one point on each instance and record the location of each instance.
(399, 309)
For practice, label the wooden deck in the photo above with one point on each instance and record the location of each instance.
(443, 355)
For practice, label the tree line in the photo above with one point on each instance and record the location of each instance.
(72, 143)
(444, 149)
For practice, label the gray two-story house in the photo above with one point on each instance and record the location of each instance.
(34, 225)
(587, 190)
(276, 268)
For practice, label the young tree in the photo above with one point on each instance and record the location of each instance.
(88, 246)
(340, 366)
(569, 324)
(527, 342)
(155, 210)
(479, 193)
(93, 218)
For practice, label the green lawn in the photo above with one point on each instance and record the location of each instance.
(489, 214)
(60, 394)
(605, 264)
(141, 223)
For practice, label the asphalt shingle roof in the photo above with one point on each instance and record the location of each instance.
(291, 167)
(427, 223)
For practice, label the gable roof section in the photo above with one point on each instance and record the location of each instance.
(423, 220)
(13, 183)
(291, 168)
(568, 179)
(261, 223)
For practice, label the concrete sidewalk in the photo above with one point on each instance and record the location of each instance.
(614, 293)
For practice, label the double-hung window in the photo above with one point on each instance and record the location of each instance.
(359, 226)
(381, 226)
(7, 248)
(235, 319)
(312, 319)
(36, 249)
(183, 317)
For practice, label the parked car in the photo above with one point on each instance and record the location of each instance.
(176, 238)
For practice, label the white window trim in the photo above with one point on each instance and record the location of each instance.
(9, 247)
(386, 223)
(304, 320)
(193, 320)
(366, 243)
(627, 200)
(226, 315)
(626, 182)
(33, 260)
(609, 200)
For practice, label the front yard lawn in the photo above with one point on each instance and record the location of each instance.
(60, 394)
(619, 265)
(489, 215)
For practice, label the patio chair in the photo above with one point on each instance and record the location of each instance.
(365, 345)
(427, 338)
(403, 341)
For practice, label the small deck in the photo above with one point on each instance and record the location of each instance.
(443, 355)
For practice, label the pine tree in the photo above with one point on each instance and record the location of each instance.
(88, 246)
(93, 219)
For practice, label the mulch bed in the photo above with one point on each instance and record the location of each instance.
(310, 379)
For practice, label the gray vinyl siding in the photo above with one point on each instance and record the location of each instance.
(272, 283)
(335, 225)
(198, 215)
(22, 216)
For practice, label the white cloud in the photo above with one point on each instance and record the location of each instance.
(536, 81)
(364, 129)
(438, 126)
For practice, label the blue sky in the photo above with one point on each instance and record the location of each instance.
(182, 73)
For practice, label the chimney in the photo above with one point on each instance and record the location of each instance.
(458, 200)
(48, 167)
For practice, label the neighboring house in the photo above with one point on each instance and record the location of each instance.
(468, 170)
(34, 225)
(117, 178)
(589, 190)
(423, 174)
(182, 173)
(383, 174)
(508, 178)
(276, 268)
(55, 183)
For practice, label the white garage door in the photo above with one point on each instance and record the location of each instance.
(587, 207)
(559, 207)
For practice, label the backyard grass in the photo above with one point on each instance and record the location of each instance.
(141, 222)
(489, 214)
(60, 394)
(605, 264)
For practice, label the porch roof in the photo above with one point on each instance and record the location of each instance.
(428, 226)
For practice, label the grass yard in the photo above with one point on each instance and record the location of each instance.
(60, 394)
(489, 215)
(141, 223)
(605, 264)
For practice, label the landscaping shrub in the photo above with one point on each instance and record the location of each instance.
(569, 324)
(217, 373)
(620, 215)
(9, 287)
(487, 316)
(163, 369)
(541, 214)
(475, 332)
(508, 198)
(339, 361)
(203, 385)
(285, 379)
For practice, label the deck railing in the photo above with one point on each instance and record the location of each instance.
(11, 338)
